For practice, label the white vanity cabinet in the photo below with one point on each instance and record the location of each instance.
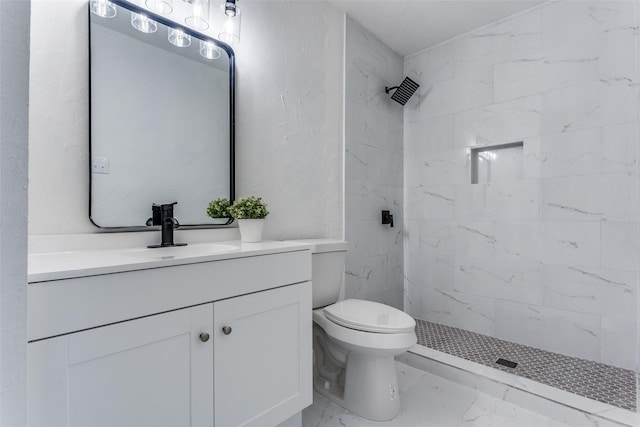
(241, 357)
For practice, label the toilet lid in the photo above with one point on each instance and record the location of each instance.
(369, 316)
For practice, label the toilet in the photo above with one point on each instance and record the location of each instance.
(354, 341)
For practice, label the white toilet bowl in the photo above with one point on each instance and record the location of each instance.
(355, 368)
(354, 341)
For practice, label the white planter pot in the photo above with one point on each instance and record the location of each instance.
(251, 230)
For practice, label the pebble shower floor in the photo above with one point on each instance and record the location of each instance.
(597, 381)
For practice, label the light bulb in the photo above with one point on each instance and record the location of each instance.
(230, 33)
(164, 7)
(199, 15)
(103, 8)
(179, 38)
(209, 50)
(143, 24)
(228, 26)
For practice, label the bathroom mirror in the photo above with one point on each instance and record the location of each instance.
(162, 113)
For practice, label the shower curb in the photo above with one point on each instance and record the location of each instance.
(556, 404)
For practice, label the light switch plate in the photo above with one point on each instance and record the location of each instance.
(99, 165)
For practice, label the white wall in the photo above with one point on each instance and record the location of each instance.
(288, 116)
(550, 259)
(373, 169)
(14, 98)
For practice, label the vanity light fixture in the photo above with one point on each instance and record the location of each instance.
(163, 7)
(230, 31)
(209, 50)
(103, 8)
(195, 14)
(198, 14)
(178, 37)
(142, 23)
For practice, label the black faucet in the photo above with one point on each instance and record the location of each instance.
(162, 215)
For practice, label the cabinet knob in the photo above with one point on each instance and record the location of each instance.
(226, 330)
(204, 337)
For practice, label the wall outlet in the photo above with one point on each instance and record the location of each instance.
(100, 165)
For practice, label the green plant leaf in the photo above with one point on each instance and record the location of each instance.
(249, 208)
(219, 208)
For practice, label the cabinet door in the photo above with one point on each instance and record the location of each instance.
(262, 364)
(154, 371)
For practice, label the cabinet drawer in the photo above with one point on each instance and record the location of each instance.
(64, 306)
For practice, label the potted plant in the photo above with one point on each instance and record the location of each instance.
(250, 213)
(218, 209)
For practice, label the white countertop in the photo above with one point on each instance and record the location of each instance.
(47, 266)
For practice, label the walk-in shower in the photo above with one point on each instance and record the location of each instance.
(517, 174)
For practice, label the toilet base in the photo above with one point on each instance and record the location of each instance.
(366, 386)
(371, 387)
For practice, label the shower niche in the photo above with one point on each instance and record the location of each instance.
(495, 163)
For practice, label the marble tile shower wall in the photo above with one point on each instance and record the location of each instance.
(373, 169)
(549, 259)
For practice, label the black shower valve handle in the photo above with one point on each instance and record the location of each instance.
(387, 218)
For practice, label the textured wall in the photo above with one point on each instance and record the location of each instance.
(14, 99)
(288, 116)
(373, 169)
(549, 259)
(59, 118)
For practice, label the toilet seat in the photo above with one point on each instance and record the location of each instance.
(366, 341)
(369, 316)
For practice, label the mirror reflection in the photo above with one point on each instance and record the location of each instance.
(161, 120)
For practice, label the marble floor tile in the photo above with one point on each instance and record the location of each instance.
(490, 411)
(431, 401)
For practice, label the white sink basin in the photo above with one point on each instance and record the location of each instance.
(173, 252)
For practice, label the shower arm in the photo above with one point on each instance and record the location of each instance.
(388, 89)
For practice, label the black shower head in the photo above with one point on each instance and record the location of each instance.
(404, 91)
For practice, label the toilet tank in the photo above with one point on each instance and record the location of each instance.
(327, 269)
